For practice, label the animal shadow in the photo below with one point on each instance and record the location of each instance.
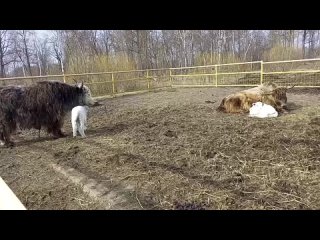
(291, 106)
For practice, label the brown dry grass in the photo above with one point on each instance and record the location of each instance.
(180, 153)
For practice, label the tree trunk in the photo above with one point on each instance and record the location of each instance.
(27, 56)
(304, 36)
(233, 45)
(239, 45)
(2, 71)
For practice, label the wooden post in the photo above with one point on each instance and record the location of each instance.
(62, 69)
(261, 74)
(113, 87)
(216, 68)
(148, 80)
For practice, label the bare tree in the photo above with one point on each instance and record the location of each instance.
(6, 51)
(43, 52)
(23, 48)
(58, 48)
(304, 38)
(106, 40)
(77, 50)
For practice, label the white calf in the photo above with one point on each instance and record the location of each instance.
(79, 120)
(262, 110)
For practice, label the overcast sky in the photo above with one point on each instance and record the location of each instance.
(42, 33)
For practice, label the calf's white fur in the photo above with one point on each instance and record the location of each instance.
(262, 110)
(79, 120)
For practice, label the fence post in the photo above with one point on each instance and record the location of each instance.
(170, 76)
(216, 68)
(148, 79)
(261, 74)
(62, 69)
(112, 78)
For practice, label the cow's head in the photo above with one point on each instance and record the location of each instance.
(85, 98)
(278, 96)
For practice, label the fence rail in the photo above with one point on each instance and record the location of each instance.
(301, 73)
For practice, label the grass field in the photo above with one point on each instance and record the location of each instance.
(176, 152)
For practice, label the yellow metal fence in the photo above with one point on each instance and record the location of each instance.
(301, 73)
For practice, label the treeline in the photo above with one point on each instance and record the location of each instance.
(27, 53)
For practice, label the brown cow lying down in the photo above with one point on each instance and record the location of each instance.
(268, 93)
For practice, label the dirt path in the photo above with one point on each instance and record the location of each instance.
(174, 151)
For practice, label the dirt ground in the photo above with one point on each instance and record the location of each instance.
(178, 153)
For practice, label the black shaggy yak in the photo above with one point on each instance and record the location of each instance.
(41, 105)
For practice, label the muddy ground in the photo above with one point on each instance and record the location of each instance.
(178, 153)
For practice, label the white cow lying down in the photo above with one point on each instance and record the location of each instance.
(79, 120)
(262, 110)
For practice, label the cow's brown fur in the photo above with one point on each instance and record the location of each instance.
(277, 98)
(241, 102)
(43, 104)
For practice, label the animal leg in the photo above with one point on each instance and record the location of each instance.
(74, 128)
(85, 124)
(7, 139)
(81, 130)
(281, 110)
(56, 130)
(1, 139)
(60, 134)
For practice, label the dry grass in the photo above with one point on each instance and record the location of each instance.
(179, 153)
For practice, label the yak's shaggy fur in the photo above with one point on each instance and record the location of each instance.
(43, 104)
